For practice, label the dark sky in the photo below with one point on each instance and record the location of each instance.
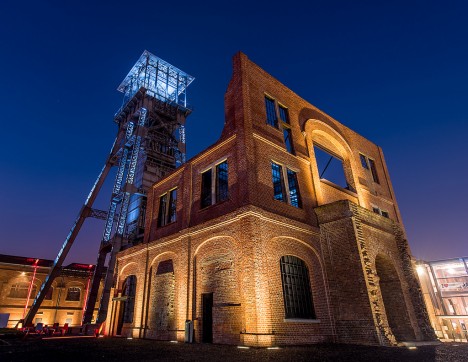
(395, 72)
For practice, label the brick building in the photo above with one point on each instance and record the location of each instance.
(21, 276)
(285, 231)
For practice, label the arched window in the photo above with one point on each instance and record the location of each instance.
(73, 294)
(128, 290)
(20, 290)
(297, 294)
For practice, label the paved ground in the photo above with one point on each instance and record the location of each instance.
(117, 349)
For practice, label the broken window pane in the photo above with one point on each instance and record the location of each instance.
(330, 167)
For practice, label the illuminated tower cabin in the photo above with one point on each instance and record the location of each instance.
(150, 142)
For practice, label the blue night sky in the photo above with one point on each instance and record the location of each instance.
(395, 72)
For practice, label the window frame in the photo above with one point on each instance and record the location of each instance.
(377, 210)
(215, 189)
(281, 121)
(282, 178)
(271, 113)
(334, 155)
(368, 163)
(17, 292)
(167, 213)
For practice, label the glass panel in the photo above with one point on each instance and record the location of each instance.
(206, 189)
(172, 205)
(222, 182)
(278, 184)
(271, 112)
(162, 210)
(283, 113)
(294, 195)
(287, 135)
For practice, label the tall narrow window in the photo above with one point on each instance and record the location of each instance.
(375, 176)
(283, 113)
(297, 294)
(294, 196)
(283, 182)
(206, 188)
(369, 163)
(215, 185)
(128, 290)
(272, 120)
(278, 184)
(167, 208)
(222, 182)
(287, 135)
(172, 205)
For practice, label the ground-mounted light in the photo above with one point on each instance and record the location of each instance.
(129, 337)
(174, 341)
(273, 348)
(412, 347)
(243, 347)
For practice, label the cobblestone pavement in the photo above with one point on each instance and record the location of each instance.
(119, 349)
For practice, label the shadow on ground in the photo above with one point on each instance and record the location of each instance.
(118, 349)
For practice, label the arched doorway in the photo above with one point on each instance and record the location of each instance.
(393, 300)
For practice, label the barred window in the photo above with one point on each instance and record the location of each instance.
(20, 290)
(128, 290)
(73, 294)
(272, 120)
(297, 294)
(167, 208)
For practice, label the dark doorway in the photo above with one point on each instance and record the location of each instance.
(394, 300)
(118, 332)
(207, 307)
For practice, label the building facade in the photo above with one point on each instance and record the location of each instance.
(20, 280)
(444, 284)
(285, 231)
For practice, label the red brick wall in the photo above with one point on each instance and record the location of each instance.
(232, 249)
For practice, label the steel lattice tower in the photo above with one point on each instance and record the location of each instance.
(150, 143)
